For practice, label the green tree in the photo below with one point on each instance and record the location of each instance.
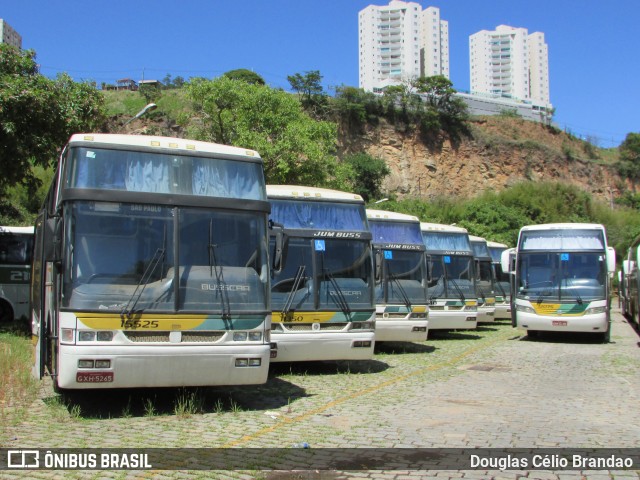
(294, 147)
(629, 163)
(446, 111)
(246, 76)
(364, 175)
(150, 92)
(38, 115)
(309, 88)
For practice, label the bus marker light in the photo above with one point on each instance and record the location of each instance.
(67, 335)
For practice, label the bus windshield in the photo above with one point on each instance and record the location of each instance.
(451, 276)
(574, 276)
(122, 257)
(403, 277)
(485, 278)
(323, 274)
(15, 248)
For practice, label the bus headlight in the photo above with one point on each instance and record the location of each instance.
(525, 309)
(595, 310)
(239, 336)
(104, 336)
(255, 336)
(420, 315)
(86, 335)
(362, 325)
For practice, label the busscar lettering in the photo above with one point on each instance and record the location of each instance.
(228, 288)
(346, 293)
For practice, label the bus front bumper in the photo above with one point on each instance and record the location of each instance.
(452, 320)
(311, 346)
(596, 323)
(401, 330)
(161, 366)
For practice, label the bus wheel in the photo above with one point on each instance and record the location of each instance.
(6, 312)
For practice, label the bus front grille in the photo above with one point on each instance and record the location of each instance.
(163, 337)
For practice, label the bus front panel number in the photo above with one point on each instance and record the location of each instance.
(137, 323)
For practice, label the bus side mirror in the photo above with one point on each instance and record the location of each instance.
(52, 240)
(508, 261)
(278, 232)
(611, 260)
(378, 264)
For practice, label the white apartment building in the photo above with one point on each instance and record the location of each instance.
(399, 42)
(508, 62)
(9, 35)
(539, 68)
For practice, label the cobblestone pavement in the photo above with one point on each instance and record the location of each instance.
(491, 388)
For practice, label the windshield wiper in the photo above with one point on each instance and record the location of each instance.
(294, 288)
(404, 295)
(576, 294)
(157, 258)
(214, 266)
(458, 289)
(341, 300)
(434, 296)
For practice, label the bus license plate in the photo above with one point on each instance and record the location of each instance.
(94, 377)
(559, 323)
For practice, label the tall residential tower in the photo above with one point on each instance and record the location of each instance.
(508, 62)
(9, 35)
(400, 41)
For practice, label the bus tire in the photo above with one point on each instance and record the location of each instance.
(6, 312)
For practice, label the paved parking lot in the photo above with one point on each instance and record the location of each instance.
(493, 388)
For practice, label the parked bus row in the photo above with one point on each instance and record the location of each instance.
(169, 262)
(629, 283)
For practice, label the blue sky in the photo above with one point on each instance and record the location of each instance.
(594, 47)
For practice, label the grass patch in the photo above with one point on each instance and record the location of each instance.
(19, 388)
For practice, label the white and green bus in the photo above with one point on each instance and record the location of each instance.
(16, 249)
(502, 281)
(452, 283)
(322, 280)
(151, 265)
(485, 280)
(400, 276)
(562, 279)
